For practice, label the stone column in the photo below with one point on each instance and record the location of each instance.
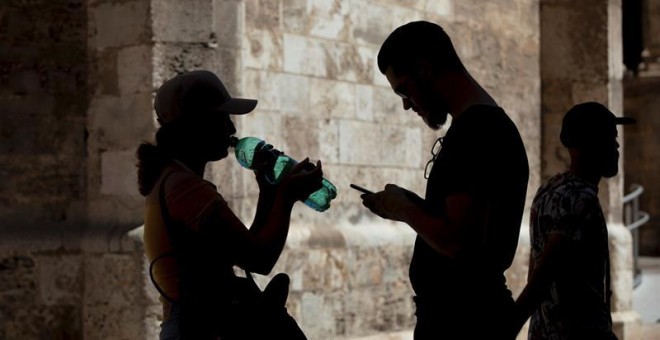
(581, 60)
(651, 37)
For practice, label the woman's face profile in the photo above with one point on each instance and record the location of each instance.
(207, 136)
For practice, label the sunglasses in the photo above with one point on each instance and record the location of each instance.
(437, 146)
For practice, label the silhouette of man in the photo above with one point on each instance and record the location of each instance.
(568, 288)
(469, 221)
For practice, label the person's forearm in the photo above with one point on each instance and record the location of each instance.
(264, 207)
(434, 230)
(272, 231)
(541, 274)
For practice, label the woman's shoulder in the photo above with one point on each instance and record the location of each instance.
(180, 180)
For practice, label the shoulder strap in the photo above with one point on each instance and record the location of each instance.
(168, 225)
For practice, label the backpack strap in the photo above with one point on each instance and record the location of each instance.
(168, 225)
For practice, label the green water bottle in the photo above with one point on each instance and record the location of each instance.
(254, 153)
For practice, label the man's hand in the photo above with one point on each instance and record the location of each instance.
(391, 203)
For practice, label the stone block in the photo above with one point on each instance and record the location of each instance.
(120, 122)
(318, 316)
(61, 279)
(19, 279)
(112, 281)
(349, 62)
(325, 269)
(329, 141)
(304, 56)
(441, 8)
(363, 147)
(134, 69)
(118, 173)
(328, 19)
(365, 102)
(229, 20)
(294, 93)
(183, 21)
(371, 23)
(114, 212)
(263, 14)
(264, 49)
(400, 144)
(332, 99)
(119, 24)
(173, 59)
(263, 124)
(294, 16)
(39, 322)
(25, 82)
(102, 322)
(574, 48)
(264, 86)
(388, 107)
(301, 138)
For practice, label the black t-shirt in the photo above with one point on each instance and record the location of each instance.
(482, 154)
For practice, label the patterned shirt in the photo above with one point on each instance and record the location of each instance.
(578, 302)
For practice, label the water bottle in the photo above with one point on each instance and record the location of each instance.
(253, 153)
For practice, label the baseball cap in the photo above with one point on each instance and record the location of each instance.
(589, 122)
(196, 92)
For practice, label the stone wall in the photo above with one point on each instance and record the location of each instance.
(311, 63)
(42, 128)
(43, 165)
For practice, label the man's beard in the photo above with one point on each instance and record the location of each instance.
(438, 109)
(436, 119)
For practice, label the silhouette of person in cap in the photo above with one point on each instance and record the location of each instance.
(568, 288)
(191, 235)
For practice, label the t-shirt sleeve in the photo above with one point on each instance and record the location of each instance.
(191, 199)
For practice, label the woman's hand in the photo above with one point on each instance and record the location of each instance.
(303, 179)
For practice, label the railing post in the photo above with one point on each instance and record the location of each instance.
(634, 218)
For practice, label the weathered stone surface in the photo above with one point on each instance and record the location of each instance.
(183, 21)
(119, 24)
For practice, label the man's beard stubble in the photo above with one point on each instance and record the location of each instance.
(436, 119)
(438, 108)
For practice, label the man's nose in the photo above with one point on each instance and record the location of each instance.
(407, 104)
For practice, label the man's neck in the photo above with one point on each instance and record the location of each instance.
(585, 173)
(466, 92)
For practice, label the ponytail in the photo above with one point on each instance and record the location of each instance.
(151, 161)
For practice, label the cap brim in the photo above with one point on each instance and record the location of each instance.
(625, 120)
(238, 106)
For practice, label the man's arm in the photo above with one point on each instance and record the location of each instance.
(555, 257)
(465, 217)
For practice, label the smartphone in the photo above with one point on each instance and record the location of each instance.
(361, 189)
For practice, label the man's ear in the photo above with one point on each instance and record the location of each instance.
(424, 69)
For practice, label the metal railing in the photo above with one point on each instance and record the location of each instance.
(633, 219)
